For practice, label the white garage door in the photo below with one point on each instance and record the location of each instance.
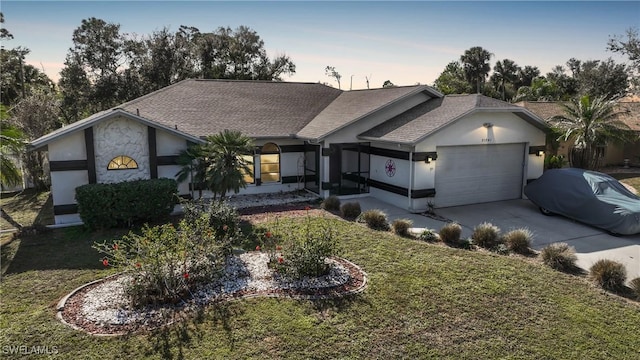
(477, 174)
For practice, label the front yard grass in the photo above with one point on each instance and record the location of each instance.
(632, 179)
(28, 207)
(423, 301)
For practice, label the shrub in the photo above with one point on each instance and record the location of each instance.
(401, 226)
(302, 254)
(635, 287)
(332, 203)
(223, 219)
(450, 233)
(559, 256)
(518, 240)
(104, 206)
(350, 210)
(609, 274)
(486, 235)
(428, 235)
(167, 264)
(375, 219)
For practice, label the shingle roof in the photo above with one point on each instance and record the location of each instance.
(420, 121)
(353, 105)
(628, 112)
(256, 108)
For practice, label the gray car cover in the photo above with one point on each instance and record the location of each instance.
(587, 196)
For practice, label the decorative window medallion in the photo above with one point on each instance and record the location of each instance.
(122, 162)
(390, 168)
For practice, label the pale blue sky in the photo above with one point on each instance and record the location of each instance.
(405, 42)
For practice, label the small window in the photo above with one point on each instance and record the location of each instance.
(270, 163)
(249, 177)
(122, 162)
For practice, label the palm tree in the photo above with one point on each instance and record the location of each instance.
(475, 62)
(505, 72)
(224, 158)
(590, 123)
(10, 144)
(193, 167)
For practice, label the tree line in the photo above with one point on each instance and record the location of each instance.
(508, 81)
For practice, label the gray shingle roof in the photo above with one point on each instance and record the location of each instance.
(415, 124)
(353, 105)
(256, 108)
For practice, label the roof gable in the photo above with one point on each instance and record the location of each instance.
(422, 120)
(352, 106)
(102, 116)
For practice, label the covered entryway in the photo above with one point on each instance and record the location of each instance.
(478, 173)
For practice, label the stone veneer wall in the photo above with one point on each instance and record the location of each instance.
(116, 137)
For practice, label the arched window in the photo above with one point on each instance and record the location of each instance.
(122, 162)
(270, 163)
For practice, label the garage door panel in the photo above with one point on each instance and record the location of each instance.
(476, 174)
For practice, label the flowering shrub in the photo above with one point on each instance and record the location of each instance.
(223, 219)
(165, 264)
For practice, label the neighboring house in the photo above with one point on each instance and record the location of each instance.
(409, 146)
(612, 154)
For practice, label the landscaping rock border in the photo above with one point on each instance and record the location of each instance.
(69, 308)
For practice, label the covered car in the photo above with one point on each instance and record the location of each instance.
(587, 196)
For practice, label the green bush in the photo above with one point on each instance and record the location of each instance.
(375, 219)
(301, 254)
(167, 264)
(486, 235)
(401, 226)
(518, 240)
(223, 219)
(429, 235)
(635, 287)
(350, 210)
(450, 233)
(609, 274)
(104, 206)
(559, 256)
(554, 161)
(332, 203)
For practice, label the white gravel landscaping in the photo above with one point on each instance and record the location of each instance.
(106, 304)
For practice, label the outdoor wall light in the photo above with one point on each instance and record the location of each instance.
(428, 160)
(488, 125)
(540, 153)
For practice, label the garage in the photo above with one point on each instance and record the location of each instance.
(478, 173)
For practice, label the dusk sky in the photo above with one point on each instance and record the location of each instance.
(405, 42)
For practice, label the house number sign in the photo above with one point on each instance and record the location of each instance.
(390, 168)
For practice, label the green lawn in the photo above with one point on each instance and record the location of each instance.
(27, 207)
(632, 179)
(423, 301)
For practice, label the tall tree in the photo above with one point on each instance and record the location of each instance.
(505, 73)
(526, 75)
(4, 33)
(475, 62)
(629, 46)
(35, 116)
(452, 80)
(600, 78)
(590, 123)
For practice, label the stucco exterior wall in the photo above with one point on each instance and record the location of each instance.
(70, 147)
(168, 144)
(507, 128)
(120, 136)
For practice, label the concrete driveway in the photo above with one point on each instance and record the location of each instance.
(591, 244)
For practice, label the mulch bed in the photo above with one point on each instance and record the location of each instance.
(71, 311)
